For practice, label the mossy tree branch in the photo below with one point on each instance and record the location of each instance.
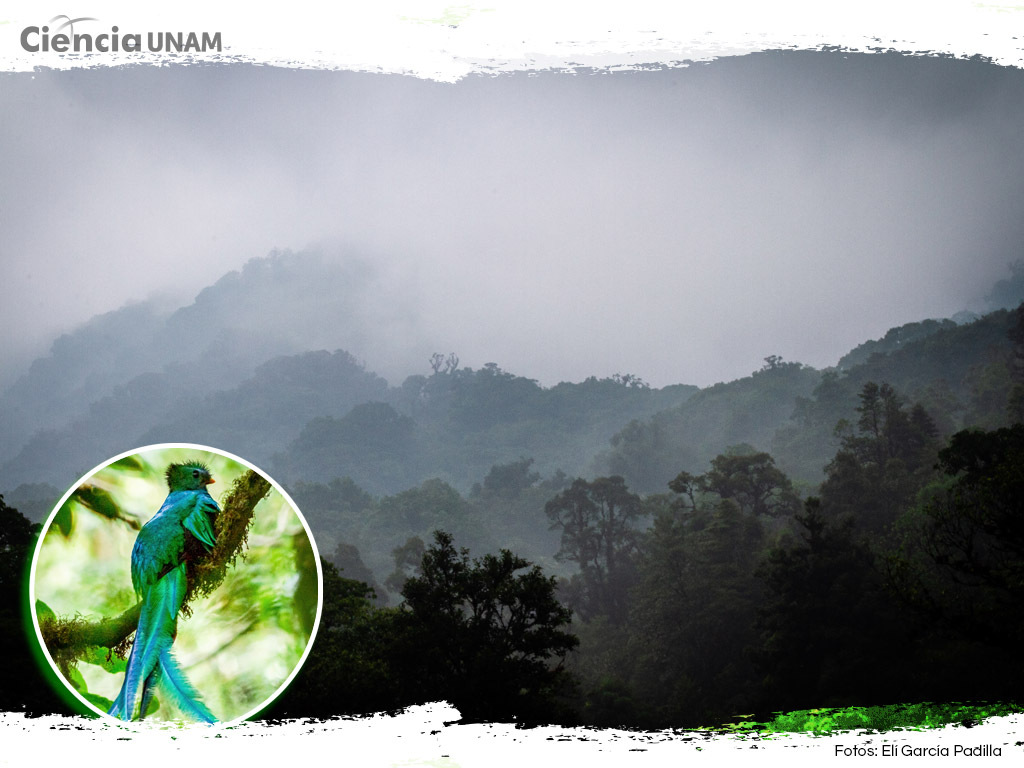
(67, 639)
(231, 528)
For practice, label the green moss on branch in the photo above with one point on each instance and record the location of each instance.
(67, 639)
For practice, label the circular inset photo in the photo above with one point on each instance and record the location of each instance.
(176, 583)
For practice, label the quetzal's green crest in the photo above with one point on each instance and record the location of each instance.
(190, 476)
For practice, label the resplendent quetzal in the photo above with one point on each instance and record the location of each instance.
(180, 530)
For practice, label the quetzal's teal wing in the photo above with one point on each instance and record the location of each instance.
(199, 521)
(160, 544)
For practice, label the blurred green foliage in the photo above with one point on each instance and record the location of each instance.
(883, 718)
(241, 643)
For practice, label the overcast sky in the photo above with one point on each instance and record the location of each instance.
(679, 224)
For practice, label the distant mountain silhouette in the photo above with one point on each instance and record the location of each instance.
(244, 367)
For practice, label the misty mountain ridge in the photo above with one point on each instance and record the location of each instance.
(317, 416)
(228, 370)
(460, 422)
(243, 319)
(958, 373)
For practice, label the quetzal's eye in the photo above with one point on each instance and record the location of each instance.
(195, 473)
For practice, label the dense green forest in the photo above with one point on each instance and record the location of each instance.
(735, 588)
(794, 539)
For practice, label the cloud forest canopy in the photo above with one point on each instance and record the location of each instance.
(739, 547)
(733, 583)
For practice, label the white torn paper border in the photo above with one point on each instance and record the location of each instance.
(446, 41)
(423, 736)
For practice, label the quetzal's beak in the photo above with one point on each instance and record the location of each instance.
(208, 482)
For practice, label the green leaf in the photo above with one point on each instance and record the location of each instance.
(100, 702)
(102, 657)
(154, 705)
(77, 681)
(64, 519)
(43, 611)
(129, 464)
(102, 503)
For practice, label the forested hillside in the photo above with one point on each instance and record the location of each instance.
(734, 591)
(958, 373)
(456, 424)
(792, 539)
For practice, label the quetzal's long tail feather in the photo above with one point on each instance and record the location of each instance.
(147, 690)
(158, 622)
(173, 682)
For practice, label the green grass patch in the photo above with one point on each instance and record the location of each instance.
(892, 717)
